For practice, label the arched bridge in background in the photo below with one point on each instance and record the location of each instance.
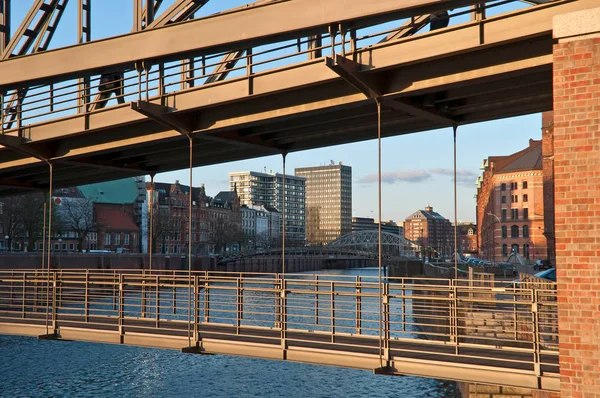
(368, 241)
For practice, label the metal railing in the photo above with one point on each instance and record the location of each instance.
(43, 103)
(455, 321)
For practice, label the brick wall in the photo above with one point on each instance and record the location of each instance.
(484, 391)
(577, 200)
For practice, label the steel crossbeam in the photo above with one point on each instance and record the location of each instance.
(219, 32)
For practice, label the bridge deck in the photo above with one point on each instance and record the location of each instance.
(481, 336)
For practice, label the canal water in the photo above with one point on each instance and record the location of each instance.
(35, 368)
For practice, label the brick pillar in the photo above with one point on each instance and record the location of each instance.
(577, 199)
(548, 171)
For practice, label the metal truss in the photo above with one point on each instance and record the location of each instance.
(370, 238)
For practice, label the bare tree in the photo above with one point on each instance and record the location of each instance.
(224, 233)
(11, 216)
(77, 215)
(32, 217)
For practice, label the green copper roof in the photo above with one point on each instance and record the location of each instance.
(116, 192)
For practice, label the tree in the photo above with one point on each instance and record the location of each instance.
(12, 223)
(77, 215)
(32, 217)
(223, 233)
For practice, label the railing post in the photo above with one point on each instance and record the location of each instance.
(86, 302)
(143, 298)
(386, 322)
(403, 306)
(54, 307)
(283, 317)
(35, 291)
(332, 312)
(24, 294)
(12, 286)
(157, 301)
(238, 305)
(535, 333)
(196, 310)
(206, 298)
(115, 283)
(316, 299)
(358, 306)
(174, 295)
(121, 314)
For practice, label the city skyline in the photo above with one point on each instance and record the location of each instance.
(428, 178)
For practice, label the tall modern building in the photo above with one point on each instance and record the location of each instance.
(255, 188)
(328, 202)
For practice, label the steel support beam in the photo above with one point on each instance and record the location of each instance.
(351, 72)
(104, 166)
(217, 33)
(163, 115)
(20, 145)
(4, 24)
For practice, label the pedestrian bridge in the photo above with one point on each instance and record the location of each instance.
(273, 87)
(450, 329)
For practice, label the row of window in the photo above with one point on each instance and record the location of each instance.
(116, 239)
(515, 198)
(513, 186)
(515, 249)
(514, 214)
(514, 231)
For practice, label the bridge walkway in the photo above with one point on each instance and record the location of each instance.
(425, 329)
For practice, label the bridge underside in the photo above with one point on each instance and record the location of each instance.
(469, 73)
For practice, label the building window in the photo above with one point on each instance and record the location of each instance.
(525, 231)
(525, 198)
(504, 249)
(504, 235)
(513, 186)
(126, 239)
(71, 246)
(524, 184)
(107, 239)
(526, 251)
(503, 199)
(514, 214)
(503, 187)
(503, 214)
(514, 231)
(525, 214)
(117, 238)
(515, 249)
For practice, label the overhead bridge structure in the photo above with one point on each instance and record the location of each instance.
(240, 89)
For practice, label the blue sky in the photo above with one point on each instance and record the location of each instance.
(417, 168)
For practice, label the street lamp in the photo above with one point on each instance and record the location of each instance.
(6, 237)
(494, 236)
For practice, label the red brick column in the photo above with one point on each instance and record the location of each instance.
(577, 199)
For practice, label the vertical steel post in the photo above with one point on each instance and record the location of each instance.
(137, 15)
(379, 245)
(51, 166)
(149, 13)
(283, 317)
(5, 28)
(283, 220)
(196, 310)
(1, 110)
(206, 298)
(454, 129)
(151, 210)
(358, 306)
(238, 305)
(535, 329)
(84, 35)
(190, 203)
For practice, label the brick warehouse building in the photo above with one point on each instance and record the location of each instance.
(431, 231)
(510, 206)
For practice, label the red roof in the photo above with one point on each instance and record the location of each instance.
(115, 218)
